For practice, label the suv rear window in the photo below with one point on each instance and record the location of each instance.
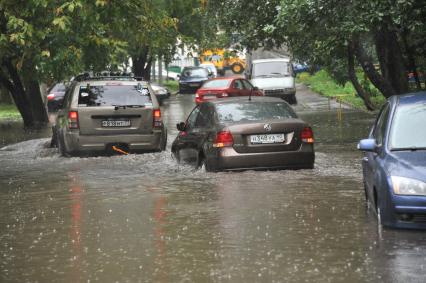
(112, 95)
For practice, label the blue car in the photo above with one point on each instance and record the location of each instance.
(394, 164)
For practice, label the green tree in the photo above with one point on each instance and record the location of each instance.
(339, 35)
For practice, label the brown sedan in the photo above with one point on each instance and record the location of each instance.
(245, 133)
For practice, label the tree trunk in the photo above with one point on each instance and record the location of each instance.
(410, 51)
(365, 96)
(391, 59)
(32, 87)
(142, 64)
(27, 98)
(366, 63)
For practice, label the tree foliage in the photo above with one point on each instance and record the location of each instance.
(333, 33)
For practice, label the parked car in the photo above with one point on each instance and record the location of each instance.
(394, 163)
(108, 114)
(225, 87)
(275, 77)
(192, 78)
(161, 92)
(55, 97)
(211, 67)
(239, 134)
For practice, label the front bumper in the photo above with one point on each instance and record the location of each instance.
(227, 159)
(189, 87)
(80, 144)
(407, 212)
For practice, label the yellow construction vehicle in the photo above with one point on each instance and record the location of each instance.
(223, 60)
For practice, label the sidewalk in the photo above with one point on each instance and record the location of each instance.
(309, 100)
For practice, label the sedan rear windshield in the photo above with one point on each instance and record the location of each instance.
(254, 111)
(113, 95)
(217, 84)
(407, 130)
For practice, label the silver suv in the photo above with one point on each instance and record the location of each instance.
(109, 114)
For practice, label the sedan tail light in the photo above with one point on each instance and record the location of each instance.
(157, 120)
(198, 98)
(223, 139)
(307, 135)
(50, 96)
(73, 120)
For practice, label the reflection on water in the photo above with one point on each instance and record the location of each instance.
(143, 218)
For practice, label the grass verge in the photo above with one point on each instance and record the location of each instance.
(322, 83)
(173, 86)
(9, 111)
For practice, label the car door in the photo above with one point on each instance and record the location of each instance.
(248, 88)
(372, 160)
(185, 139)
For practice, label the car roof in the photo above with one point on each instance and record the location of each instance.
(245, 99)
(413, 97)
(114, 82)
(285, 59)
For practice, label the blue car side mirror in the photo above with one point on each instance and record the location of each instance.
(367, 145)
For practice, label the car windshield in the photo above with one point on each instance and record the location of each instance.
(271, 69)
(60, 87)
(217, 84)
(407, 130)
(196, 72)
(254, 111)
(114, 95)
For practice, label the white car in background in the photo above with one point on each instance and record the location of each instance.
(211, 67)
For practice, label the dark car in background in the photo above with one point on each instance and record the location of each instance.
(394, 163)
(192, 78)
(240, 134)
(55, 97)
(109, 114)
(226, 87)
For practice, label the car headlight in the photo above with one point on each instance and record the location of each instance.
(408, 186)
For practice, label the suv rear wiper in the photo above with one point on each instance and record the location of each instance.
(116, 107)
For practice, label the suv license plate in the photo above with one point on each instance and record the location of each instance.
(270, 138)
(116, 123)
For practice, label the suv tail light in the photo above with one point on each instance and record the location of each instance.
(73, 120)
(307, 135)
(223, 139)
(157, 120)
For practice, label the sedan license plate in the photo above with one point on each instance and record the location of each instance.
(194, 85)
(269, 138)
(116, 123)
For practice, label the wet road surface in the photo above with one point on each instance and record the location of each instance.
(143, 218)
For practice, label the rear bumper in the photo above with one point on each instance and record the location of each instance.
(227, 159)
(78, 144)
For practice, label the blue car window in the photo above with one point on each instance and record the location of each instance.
(380, 129)
(408, 125)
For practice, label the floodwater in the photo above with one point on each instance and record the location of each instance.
(143, 218)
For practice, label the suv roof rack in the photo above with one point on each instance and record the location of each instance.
(116, 76)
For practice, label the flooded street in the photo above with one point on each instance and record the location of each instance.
(144, 218)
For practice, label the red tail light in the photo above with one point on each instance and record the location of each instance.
(73, 120)
(307, 135)
(198, 98)
(50, 96)
(157, 120)
(223, 138)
